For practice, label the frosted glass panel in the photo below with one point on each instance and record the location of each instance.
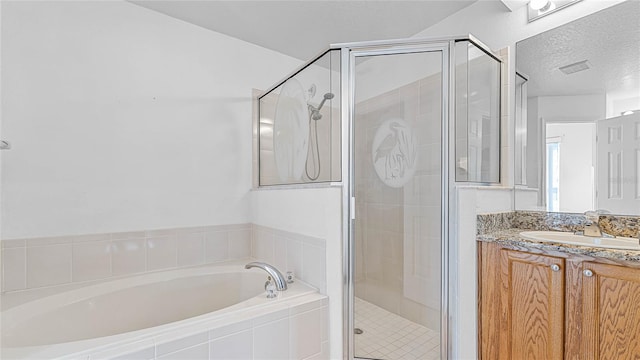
(398, 121)
(477, 102)
(299, 126)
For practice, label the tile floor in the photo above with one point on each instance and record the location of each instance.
(388, 336)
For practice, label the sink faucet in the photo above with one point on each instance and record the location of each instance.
(281, 282)
(591, 227)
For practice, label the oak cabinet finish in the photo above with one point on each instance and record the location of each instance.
(532, 296)
(611, 311)
(538, 306)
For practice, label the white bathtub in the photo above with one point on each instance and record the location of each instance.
(145, 309)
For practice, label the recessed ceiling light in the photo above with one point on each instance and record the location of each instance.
(538, 4)
(540, 8)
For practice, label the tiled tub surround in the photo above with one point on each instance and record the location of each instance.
(303, 255)
(50, 262)
(505, 228)
(42, 262)
(292, 326)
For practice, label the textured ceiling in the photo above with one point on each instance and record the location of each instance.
(304, 28)
(609, 40)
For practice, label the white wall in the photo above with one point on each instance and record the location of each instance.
(462, 284)
(122, 118)
(571, 108)
(617, 104)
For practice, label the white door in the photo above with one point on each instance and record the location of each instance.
(618, 164)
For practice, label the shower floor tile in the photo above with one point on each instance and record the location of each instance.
(388, 336)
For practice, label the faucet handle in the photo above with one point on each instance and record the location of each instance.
(597, 212)
(592, 216)
(270, 288)
(290, 277)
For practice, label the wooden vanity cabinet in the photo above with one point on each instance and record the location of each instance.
(522, 305)
(611, 311)
(538, 306)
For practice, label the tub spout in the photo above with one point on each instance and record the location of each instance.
(281, 282)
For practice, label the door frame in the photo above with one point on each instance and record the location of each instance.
(348, 56)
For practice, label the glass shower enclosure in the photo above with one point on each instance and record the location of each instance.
(410, 119)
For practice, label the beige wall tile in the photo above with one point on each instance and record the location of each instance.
(128, 256)
(48, 265)
(91, 260)
(14, 268)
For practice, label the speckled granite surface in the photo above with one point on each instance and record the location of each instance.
(489, 223)
(627, 226)
(505, 228)
(538, 220)
(511, 238)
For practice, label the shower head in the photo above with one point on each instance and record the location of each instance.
(315, 112)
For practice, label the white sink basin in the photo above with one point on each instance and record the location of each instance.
(571, 238)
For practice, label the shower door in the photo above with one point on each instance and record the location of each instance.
(397, 158)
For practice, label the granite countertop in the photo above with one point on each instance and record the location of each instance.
(511, 238)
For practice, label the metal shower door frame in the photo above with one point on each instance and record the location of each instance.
(349, 53)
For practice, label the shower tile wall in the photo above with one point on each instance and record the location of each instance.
(392, 222)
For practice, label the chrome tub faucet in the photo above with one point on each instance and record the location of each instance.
(278, 278)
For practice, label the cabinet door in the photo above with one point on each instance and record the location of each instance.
(611, 312)
(532, 300)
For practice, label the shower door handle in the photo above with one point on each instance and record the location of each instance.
(5, 145)
(352, 208)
